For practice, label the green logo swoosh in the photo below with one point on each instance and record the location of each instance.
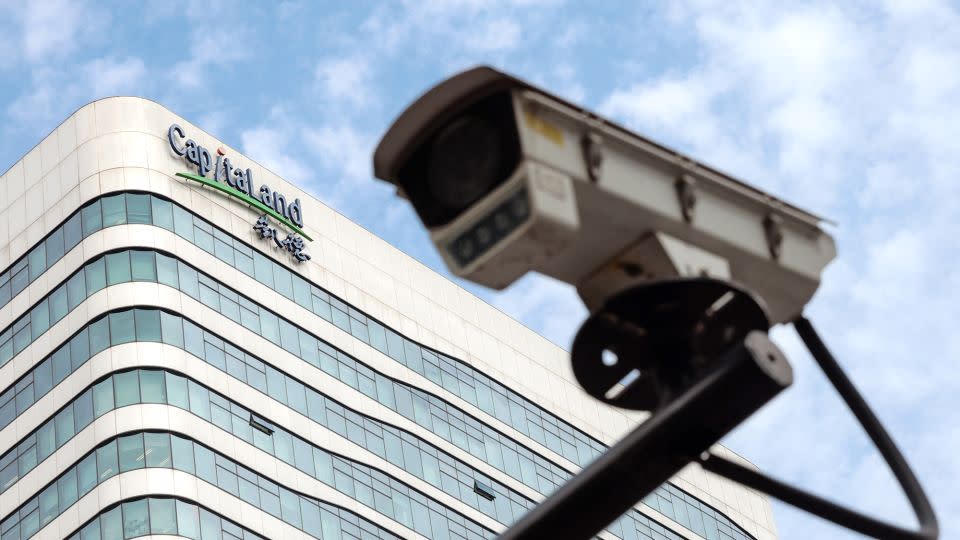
(233, 192)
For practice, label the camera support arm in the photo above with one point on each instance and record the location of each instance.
(695, 352)
(823, 508)
(749, 376)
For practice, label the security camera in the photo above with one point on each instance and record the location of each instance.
(509, 178)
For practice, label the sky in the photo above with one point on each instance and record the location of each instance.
(846, 109)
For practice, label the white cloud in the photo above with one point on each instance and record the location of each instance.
(493, 35)
(54, 28)
(54, 93)
(345, 80)
(272, 145)
(113, 76)
(209, 45)
(851, 111)
(340, 147)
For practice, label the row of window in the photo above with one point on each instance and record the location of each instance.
(161, 515)
(454, 477)
(400, 448)
(367, 485)
(455, 376)
(165, 450)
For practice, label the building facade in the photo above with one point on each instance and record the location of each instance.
(192, 346)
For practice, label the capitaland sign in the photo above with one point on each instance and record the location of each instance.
(238, 183)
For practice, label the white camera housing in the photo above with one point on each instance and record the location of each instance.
(595, 205)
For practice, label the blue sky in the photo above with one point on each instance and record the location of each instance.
(849, 111)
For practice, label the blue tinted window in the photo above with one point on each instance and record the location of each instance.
(138, 208)
(118, 267)
(126, 388)
(130, 451)
(91, 218)
(114, 210)
(163, 516)
(188, 520)
(136, 518)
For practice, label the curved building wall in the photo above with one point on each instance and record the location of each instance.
(484, 399)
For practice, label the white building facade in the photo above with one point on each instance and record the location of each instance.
(170, 368)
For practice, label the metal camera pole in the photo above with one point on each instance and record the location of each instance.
(695, 353)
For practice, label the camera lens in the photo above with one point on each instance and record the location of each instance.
(464, 162)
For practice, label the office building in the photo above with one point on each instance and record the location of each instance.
(192, 346)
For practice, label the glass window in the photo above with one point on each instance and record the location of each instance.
(167, 270)
(20, 279)
(284, 446)
(40, 319)
(130, 450)
(103, 397)
(95, 274)
(126, 388)
(83, 410)
(71, 232)
(172, 329)
(289, 338)
(311, 517)
(91, 218)
(87, 473)
(290, 507)
(54, 245)
(46, 439)
(37, 261)
(138, 208)
(209, 525)
(157, 449)
(206, 467)
(182, 450)
(80, 348)
(48, 505)
(118, 267)
(296, 397)
(276, 385)
(114, 210)
(177, 391)
(163, 516)
(58, 304)
(270, 326)
(91, 531)
(142, 266)
(64, 425)
(193, 339)
(122, 329)
(182, 223)
(263, 269)
(199, 400)
(202, 238)
(162, 211)
(281, 280)
(301, 292)
(148, 324)
(188, 520)
(152, 388)
(189, 280)
(111, 525)
(67, 488)
(61, 364)
(136, 519)
(303, 454)
(107, 461)
(99, 332)
(223, 250)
